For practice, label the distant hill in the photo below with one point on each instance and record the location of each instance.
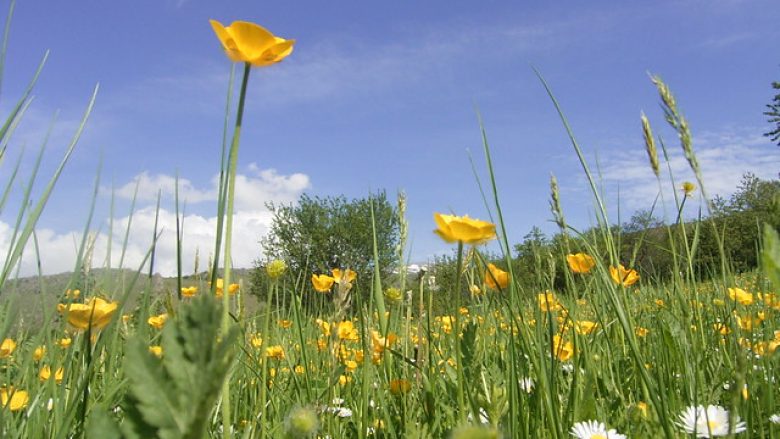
(31, 299)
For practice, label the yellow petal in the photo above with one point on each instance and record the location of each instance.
(251, 39)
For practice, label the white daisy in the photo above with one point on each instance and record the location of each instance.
(711, 421)
(594, 430)
(775, 419)
(526, 385)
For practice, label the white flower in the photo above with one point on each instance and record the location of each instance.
(526, 384)
(775, 419)
(594, 430)
(708, 422)
(567, 367)
(338, 401)
(341, 412)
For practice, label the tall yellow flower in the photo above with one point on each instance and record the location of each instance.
(189, 291)
(13, 399)
(157, 322)
(232, 288)
(348, 275)
(622, 276)
(741, 296)
(251, 43)
(95, 313)
(548, 302)
(322, 283)
(45, 373)
(496, 278)
(688, 188)
(562, 350)
(453, 228)
(7, 348)
(580, 263)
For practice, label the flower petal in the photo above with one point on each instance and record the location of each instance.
(252, 39)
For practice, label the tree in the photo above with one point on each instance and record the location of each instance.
(774, 115)
(318, 234)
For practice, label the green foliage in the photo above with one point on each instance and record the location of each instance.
(174, 397)
(318, 234)
(770, 256)
(774, 116)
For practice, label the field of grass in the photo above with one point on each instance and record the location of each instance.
(683, 358)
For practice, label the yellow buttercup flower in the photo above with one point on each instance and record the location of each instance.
(158, 322)
(322, 283)
(688, 188)
(157, 351)
(13, 399)
(65, 342)
(251, 43)
(496, 278)
(548, 302)
(232, 288)
(39, 352)
(453, 228)
(275, 352)
(398, 387)
(741, 296)
(45, 373)
(584, 327)
(189, 291)
(348, 275)
(95, 313)
(7, 348)
(580, 263)
(346, 331)
(563, 351)
(622, 276)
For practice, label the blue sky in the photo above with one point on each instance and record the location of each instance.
(383, 96)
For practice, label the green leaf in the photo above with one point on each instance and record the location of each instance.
(770, 256)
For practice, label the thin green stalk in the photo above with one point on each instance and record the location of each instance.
(231, 193)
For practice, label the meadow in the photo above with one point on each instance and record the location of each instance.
(609, 353)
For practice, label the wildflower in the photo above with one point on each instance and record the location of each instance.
(256, 341)
(393, 295)
(496, 278)
(157, 351)
(623, 276)
(585, 327)
(741, 296)
(13, 399)
(594, 430)
(275, 269)
(563, 351)
(548, 302)
(775, 419)
(251, 43)
(687, 187)
(72, 294)
(45, 373)
(284, 324)
(275, 352)
(399, 387)
(65, 342)
(526, 385)
(96, 313)
(322, 283)
(641, 406)
(580, 263)
(708, 422)
(475, 290)
(348, 275)
(189, 291)
(453, 228)
(641, 332)
(39, 352)
(346, 331)
(341, 412)
(232, 288)
(7, 348)
(158, 321)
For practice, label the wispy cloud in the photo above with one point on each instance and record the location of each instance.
(724, 158)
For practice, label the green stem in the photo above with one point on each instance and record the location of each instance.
(231, 192)
(456, 339)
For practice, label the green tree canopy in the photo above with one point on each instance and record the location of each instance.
(318, 234)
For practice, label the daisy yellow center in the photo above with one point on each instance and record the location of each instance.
(598, 436)
(712, 425)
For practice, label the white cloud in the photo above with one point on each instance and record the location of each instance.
(724, 157)
(253, 191)
(251, 222)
